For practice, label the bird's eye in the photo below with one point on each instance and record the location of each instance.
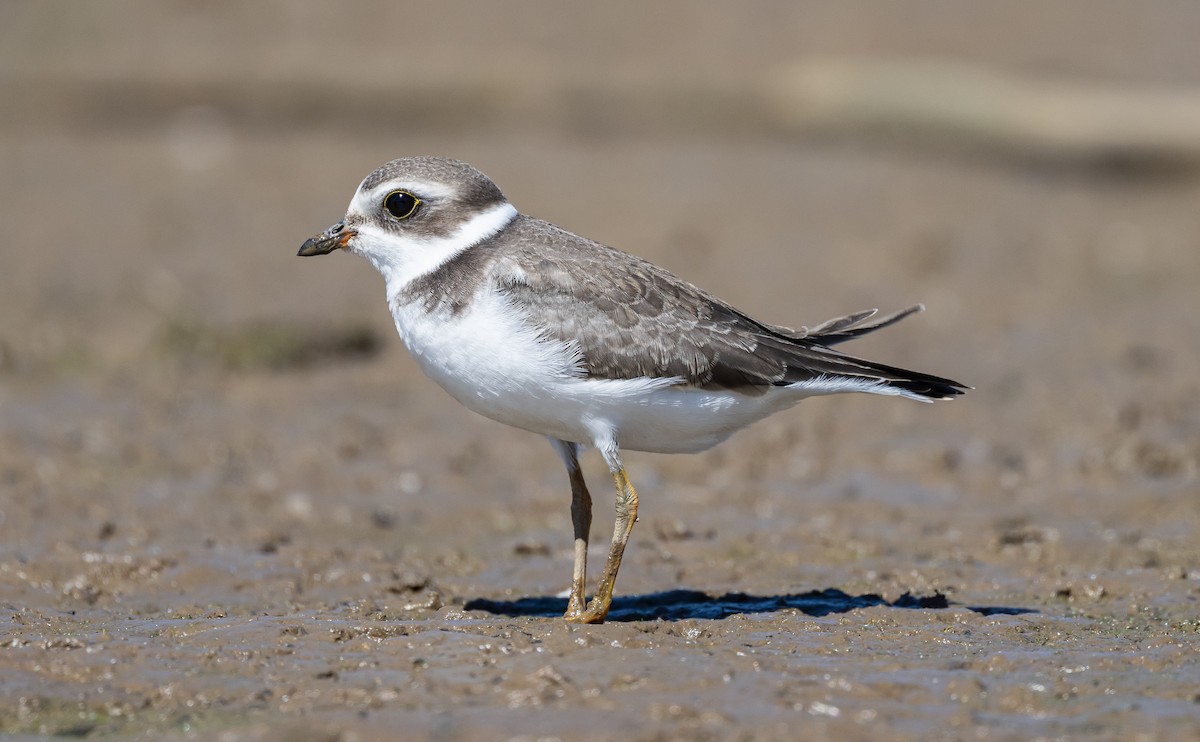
(401, 204)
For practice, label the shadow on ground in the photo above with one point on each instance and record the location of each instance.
(675, 605)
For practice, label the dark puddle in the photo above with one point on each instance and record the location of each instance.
(675, 605)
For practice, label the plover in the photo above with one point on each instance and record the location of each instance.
(543, 330)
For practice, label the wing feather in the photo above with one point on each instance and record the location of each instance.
(630, 318)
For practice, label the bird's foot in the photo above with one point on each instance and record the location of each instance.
(596, 612)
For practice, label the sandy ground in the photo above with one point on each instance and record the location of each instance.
(232, 508)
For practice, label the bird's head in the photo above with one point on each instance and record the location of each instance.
(412, 214)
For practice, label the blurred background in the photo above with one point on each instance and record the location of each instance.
(162, 159)
(173, 380)
(1029, 172)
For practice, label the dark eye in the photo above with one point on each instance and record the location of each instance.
(401, 204)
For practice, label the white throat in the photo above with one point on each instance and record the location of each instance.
(400, 260)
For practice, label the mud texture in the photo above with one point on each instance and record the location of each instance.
(232, 508)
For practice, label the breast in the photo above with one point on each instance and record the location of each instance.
(489, 359)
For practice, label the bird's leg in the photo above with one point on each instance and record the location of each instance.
(627, 506)
(581, 518)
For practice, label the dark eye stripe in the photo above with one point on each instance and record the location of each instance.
(401, 204)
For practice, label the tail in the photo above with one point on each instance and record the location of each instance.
(916, 385)
(838, 368)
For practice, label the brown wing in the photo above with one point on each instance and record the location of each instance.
(632, 319)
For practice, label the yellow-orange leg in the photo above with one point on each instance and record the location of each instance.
(627, 507)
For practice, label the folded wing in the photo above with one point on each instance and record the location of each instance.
(630, 319)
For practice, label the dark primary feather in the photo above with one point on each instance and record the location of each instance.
(632, 319)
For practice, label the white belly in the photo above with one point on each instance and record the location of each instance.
(493, 363)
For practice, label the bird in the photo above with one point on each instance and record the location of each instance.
(540, 329)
